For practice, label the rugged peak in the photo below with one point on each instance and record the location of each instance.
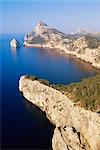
(40, 23)
(82, 31)
(40, 27)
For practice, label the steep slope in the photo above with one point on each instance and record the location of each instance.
(43, 35)
(85, 93)
(88, 49)
(85, 47)
(76, 128)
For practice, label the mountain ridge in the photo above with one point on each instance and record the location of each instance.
(75, 44)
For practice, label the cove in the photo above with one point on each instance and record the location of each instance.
(24, 125)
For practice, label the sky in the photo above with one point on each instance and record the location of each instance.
(20, 16)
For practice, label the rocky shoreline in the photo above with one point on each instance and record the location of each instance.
(76, 128)
(83, 57)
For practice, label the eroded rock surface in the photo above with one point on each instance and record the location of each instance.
(76, 128)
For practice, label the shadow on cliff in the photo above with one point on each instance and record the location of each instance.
(43, 130)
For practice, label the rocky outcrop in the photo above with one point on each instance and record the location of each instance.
(76, 128)
(88, 50)
(14, 43)
(83, 44)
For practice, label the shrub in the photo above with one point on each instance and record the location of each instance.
(86, 93)
(32, 77)
(36, 40)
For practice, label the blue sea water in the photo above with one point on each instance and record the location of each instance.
(22, 124)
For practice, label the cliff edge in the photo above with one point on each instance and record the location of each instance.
(75, 127)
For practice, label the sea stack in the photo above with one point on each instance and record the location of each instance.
(14, 43)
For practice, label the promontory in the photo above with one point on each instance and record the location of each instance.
(76, 128)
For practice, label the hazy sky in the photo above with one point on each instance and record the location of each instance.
(65, 15)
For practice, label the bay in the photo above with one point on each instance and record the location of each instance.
(23, 125)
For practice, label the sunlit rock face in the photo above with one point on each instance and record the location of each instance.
(40, 28)
(87, 42)
(76, 128)
(14, 43)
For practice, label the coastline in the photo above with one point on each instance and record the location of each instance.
(84, 57)
(73, 124)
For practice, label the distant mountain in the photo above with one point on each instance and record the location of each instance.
(42, 33)
(83, 43)
(43, 28)
(81, 32)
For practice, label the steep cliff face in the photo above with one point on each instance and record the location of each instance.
(76, 128)
(84, 46)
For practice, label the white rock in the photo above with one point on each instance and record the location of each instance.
(14, 43)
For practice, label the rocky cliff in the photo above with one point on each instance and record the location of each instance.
(85, 46)
(75, 127)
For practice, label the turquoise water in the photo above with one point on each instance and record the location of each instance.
(24, 125)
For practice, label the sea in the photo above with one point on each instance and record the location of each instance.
(23, 125)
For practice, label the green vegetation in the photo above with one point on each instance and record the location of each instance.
(36, 40)
(45, 82)
(85, 93)
(31, 77)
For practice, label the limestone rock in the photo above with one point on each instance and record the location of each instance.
(86, 42)
(14, 43)
(40, 28)
(76, 128)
